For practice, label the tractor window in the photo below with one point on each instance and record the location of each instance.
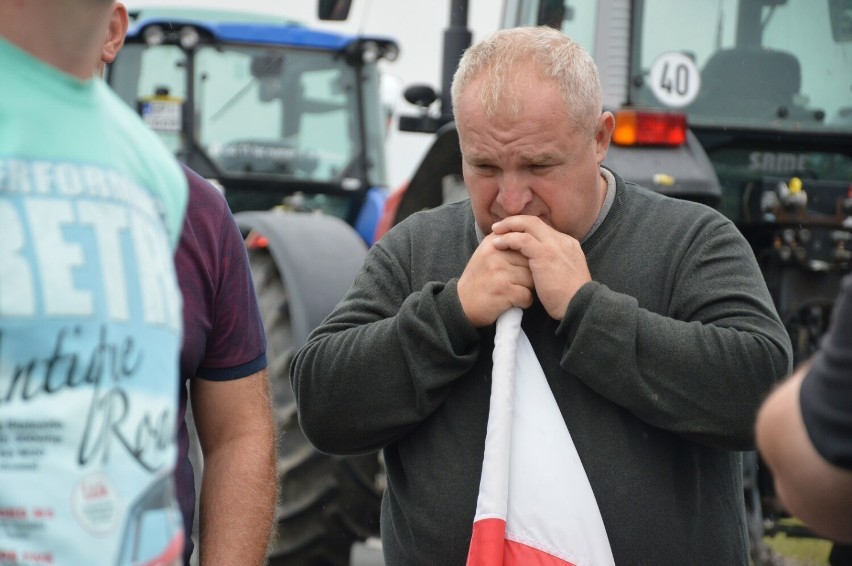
(156, 89)
(579, 22)
(741, 62)
(261, 110)
(275, 111)
(576, 18)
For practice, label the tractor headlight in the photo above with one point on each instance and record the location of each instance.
(154, 35)
(370, 51)
(188, 37)
(390, 52)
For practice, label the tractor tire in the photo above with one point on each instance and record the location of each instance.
(325, 503)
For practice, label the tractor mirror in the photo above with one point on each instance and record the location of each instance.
(334, 10)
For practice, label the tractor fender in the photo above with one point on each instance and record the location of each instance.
(680, 172)
(317, 256)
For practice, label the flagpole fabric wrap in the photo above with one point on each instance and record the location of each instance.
(535, 505)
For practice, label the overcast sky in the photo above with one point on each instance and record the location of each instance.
(418, 26)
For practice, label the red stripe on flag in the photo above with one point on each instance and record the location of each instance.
(489, 547)
(486, 543)
(519, 554)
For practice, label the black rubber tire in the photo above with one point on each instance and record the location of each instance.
(326, 503)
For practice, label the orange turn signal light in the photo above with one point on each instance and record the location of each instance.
(649, 127)
(256, 241)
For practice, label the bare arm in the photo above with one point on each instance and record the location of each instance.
(810, 487)
(238, 490)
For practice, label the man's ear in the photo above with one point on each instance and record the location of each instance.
(115, 33)
(603, 133)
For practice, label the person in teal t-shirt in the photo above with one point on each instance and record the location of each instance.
(91, 207)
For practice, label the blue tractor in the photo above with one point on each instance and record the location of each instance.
(288, 122)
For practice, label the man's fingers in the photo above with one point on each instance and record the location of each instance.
(530, 224)
(493, 281)
(556, 261)
(514, 257)
(514, 241)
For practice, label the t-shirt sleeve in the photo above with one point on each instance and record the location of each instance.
(236, 344)
(826, 393)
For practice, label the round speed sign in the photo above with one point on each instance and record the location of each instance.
(675, 79)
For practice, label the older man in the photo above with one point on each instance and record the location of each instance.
(649, 317)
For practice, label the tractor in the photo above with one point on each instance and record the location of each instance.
(288, 122)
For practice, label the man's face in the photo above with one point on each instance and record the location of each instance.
(536, 163)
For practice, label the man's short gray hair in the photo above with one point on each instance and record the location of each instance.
(505, 56)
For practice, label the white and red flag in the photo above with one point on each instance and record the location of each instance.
(535, 506)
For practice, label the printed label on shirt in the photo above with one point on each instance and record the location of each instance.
(90, 322)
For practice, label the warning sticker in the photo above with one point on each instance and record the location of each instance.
(161, 114)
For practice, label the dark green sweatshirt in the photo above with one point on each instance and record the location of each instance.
(658, 367)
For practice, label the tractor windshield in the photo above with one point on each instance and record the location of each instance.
(763, 63)
(261, 111)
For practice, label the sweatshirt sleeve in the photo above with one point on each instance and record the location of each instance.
(699, 368)
(383, 360)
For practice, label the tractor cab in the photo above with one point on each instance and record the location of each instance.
(275, 112)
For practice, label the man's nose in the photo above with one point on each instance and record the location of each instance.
(514, 193)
